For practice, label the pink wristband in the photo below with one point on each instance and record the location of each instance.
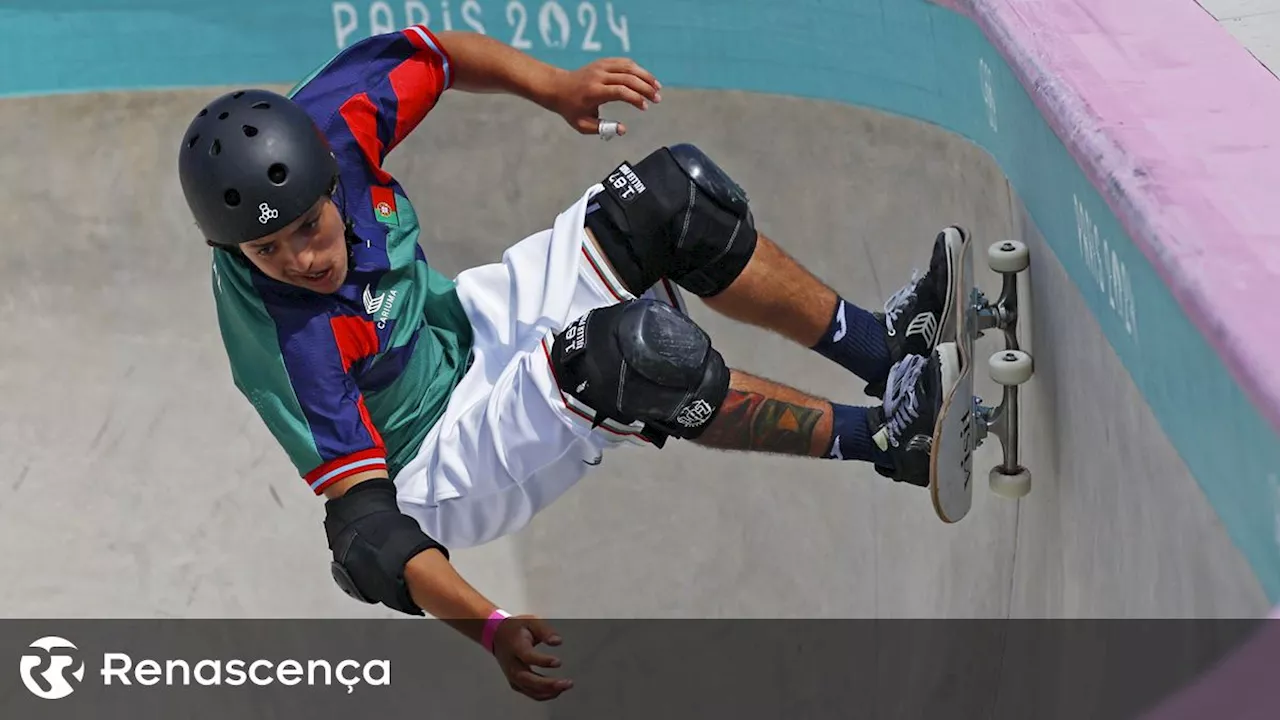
(491, 626)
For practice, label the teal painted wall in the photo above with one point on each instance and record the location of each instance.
(903, 56)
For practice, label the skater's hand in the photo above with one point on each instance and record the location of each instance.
(514, 645)
(580, 93)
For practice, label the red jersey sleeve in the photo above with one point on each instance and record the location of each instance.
(370, 96)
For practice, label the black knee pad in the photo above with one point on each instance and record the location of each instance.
(676, 215)
(644, 361)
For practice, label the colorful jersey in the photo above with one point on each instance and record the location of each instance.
(353, 381)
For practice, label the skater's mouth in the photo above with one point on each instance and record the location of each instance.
(317, 277)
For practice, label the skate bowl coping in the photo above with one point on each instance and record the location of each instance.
(1140, 149)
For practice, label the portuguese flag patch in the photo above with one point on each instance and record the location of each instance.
(384, 206)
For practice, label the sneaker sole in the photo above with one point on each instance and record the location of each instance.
(954, 238)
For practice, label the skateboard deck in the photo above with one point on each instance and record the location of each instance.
(951, 465)
(963, 423)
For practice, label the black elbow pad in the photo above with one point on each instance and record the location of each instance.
(372, 541)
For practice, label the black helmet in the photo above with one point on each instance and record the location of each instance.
(251, 163)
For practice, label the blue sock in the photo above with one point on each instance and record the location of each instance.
(851, 439)
(855, 341)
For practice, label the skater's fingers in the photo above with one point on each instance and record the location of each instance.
(542, 631)
(640, 85)
(630, 67)
(536, 684)
(530, 656)
(623, 93)
(538, 695)
(607, 129)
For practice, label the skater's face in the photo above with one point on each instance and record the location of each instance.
(311, 252)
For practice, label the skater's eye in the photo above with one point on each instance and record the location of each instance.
(265, 249)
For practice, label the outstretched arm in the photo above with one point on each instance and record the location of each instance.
(434, 584)
(435, 587)
(485, 65)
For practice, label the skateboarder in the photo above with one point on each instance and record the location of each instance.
(435, 413)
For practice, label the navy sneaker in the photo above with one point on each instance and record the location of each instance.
(903, 426)
(915, 316)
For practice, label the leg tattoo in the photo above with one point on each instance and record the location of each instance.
(752, 421)
(764, 416)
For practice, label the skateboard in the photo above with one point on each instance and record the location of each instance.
(964, 422)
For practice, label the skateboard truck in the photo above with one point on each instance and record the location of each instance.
(1009, 367)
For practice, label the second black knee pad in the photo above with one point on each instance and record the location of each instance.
(644, 361)
(676, 215)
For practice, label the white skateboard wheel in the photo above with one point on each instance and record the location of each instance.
(1008, 256)
(1012, 486)
(1011, 367)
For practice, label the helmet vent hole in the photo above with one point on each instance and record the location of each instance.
(250, 131)
(238, 95)
(192, 142)
(224, 115)
(204, 112)
(232, 197)
(262, 105)
(278, 173)
(216, 148)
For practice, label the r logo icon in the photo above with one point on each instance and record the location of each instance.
(50, 683)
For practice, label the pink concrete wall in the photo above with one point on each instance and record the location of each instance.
(1180, 127)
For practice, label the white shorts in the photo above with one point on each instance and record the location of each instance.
(510, 441)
